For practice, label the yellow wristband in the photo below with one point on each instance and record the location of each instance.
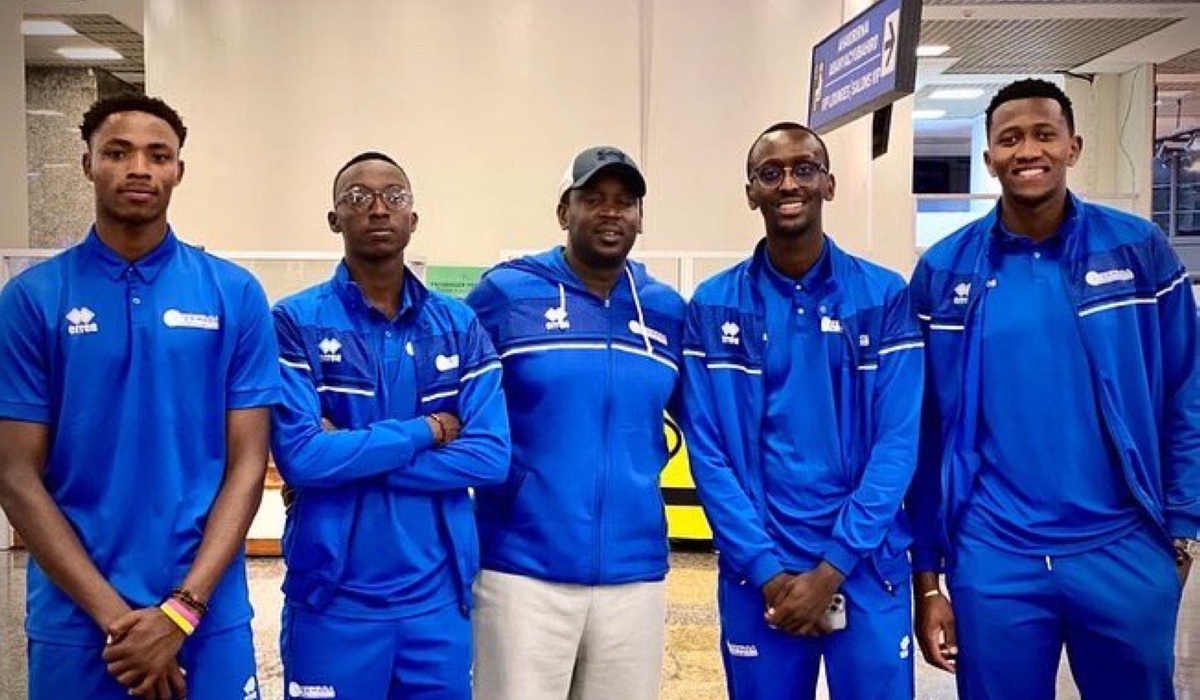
(178, 619)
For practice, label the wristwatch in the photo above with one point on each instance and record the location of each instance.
(1186, 550)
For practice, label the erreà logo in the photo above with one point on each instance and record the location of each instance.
(82, 320)
(962, 292)
(556, 319)
(729, 333)
(330, 350)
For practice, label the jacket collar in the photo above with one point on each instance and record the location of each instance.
(412, 295)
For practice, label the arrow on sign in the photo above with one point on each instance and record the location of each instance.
(889, 43)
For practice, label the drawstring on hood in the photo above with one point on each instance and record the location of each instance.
(637, 304)
(552, 266)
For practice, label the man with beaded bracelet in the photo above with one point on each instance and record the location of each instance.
(133, 436)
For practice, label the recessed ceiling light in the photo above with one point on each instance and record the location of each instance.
(956, 94)
(46, 27)
(928, 113)
(931, 50)
(89, 53)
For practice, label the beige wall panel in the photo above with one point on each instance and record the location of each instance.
(483, 102)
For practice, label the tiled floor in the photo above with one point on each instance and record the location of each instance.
(692, 669)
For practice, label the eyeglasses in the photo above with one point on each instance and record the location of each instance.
(361, 198)
(772, 175)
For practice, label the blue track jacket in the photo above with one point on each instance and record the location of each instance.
(1137, 320)
(587, 381)
(880, 389)
(457, 371)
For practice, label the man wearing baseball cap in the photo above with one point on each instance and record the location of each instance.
(571, 601)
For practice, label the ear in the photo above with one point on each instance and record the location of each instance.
(412, 222)
(1076, 150)
(334, 224)
(562, 214)
(987, 160)
(179, 175)
(750, 198)
(830, 187)
(86, 162)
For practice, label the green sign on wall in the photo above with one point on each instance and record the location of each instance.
(454, 280)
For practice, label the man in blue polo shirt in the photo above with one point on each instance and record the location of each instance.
(1060, 451)
(133, 436)
(392, 410)
(802, 393)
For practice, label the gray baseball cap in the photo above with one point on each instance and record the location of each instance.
(596, 159)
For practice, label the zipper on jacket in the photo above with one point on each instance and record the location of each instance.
(606, 456)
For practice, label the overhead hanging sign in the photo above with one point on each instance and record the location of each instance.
(870, 62)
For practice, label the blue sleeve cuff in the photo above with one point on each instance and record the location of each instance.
(842, 558)
(25, 412)
(254, 398)
(418, 430)
(1185, 527)
(927, 559)
(763, 569)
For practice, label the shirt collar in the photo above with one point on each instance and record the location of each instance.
(812, 281)
(412, 293)
(147, 267)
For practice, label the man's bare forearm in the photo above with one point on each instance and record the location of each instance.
(236, 503)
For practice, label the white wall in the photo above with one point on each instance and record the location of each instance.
(1115, 115)
(484, 102)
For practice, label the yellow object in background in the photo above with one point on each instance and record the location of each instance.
(685, 517)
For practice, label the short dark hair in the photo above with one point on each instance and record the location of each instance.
(130, 102)
(364, 156)
(1027, 88)
(785, 126)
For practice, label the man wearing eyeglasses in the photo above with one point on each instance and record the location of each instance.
(803, 369)
(392, 410)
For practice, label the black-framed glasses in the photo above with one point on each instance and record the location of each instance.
(806, 172)
(361, 198)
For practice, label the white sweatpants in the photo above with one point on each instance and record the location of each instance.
(536, 640)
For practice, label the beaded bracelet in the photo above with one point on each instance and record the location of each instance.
(441, 437)
(189, 599)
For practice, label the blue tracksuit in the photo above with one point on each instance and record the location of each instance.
(134, 366)
(587, 381)
(801, 401)
(1051, 561)
(383, 527)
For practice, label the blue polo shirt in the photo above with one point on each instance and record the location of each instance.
(1049, 484)
(134, 366)
(804, 481)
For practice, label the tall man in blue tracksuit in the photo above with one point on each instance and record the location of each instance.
(392, 409)
(137, 371)
(802, 391)
(1060, 451)
(571, 599)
